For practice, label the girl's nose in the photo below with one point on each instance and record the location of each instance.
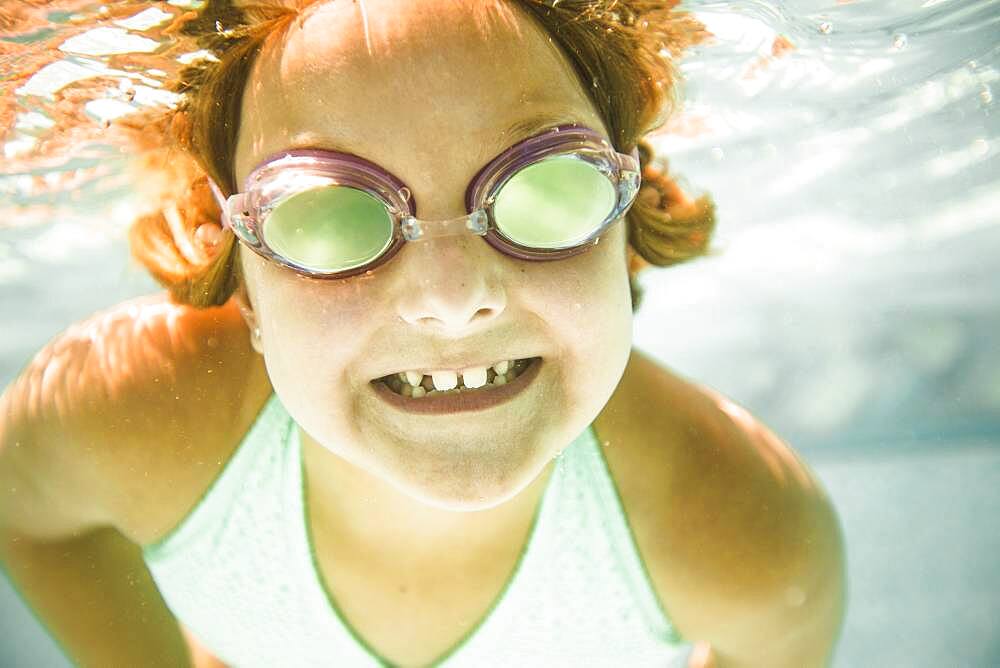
(451, 284)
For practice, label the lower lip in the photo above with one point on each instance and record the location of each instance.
(473, 400)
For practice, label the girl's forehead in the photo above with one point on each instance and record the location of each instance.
(397, 47)
(461, 78)
(385, 24)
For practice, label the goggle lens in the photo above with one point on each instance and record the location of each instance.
(555, 203)
(330, 228)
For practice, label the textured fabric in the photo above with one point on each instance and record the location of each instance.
(239, 572)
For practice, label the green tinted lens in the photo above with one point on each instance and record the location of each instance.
(329, 229)
(555, 203)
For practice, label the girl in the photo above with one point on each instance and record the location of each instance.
(389, 413)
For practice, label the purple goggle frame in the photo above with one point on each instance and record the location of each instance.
(291, 171)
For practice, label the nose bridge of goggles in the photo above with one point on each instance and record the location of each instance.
(415, 229)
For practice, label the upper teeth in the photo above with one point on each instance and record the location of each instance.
(447, 379)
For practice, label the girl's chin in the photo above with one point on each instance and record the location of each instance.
(460, 468)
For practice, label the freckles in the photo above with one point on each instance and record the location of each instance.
(348, 294)
(346, 298)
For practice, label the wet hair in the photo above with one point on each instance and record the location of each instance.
(622, 52)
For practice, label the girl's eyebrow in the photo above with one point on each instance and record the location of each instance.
(525, 128)
(517, 131)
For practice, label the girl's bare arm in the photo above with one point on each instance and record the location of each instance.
(96, 598)
(84, 458)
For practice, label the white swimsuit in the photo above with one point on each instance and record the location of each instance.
(239, 572)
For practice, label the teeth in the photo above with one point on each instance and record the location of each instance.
(474, 376)
(444, 380)
(421, 383)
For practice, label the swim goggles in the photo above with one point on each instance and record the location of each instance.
(332, 215)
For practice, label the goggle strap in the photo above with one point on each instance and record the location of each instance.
(628, 162)
(220, 199)
(629, 176)
(234, 213)
(415, 229)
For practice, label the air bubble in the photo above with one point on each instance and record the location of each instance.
(985, 94)
(899, 42)
(826, 27)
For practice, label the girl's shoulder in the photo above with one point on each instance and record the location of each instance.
(724, 512)
(131, 413)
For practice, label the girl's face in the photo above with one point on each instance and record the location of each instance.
(431, 97)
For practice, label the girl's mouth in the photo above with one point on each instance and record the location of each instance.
(400, 392)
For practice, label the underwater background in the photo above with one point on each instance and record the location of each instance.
(853, 305)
